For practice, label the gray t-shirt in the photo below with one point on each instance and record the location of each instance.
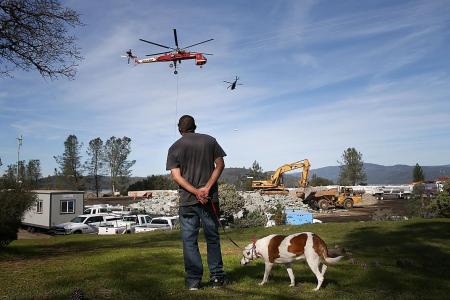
(195, 154)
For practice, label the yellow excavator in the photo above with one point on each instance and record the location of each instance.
(275, 184)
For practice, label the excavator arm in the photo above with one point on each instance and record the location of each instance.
(275, 180)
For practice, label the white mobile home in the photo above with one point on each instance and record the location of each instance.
(53, 208)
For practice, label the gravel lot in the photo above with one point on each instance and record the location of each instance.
(361, 213)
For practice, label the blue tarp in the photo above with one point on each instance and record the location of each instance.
(298, 217)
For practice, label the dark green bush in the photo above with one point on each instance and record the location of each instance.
(14, 201)
(425, 205)
(440, 205)
(278, 214)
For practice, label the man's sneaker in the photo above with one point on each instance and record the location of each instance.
(217, 283)
(194, 286)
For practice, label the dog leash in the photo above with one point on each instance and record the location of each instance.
(221, 225)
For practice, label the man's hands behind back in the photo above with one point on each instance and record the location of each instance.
(203, 195)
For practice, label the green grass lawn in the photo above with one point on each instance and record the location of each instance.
(392, 260)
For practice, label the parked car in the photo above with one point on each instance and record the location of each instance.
(126, 224)
(83, 224)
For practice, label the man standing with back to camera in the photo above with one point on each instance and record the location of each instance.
(196, 163)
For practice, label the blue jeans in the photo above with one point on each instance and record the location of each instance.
(190, 217)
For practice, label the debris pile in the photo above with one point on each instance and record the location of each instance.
(165, 202)
(256, 201)
(162, 202)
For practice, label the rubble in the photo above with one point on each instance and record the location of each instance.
(162, 202)
(256, 201)
(165, 202)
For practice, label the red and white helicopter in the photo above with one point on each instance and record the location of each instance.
(175, 55)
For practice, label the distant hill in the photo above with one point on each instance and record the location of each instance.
(234, 174)
(376, 174)
(379, 174)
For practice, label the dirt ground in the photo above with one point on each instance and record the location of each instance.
(364, 211)
(25, 235)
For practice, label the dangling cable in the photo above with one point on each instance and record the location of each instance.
(176, 108)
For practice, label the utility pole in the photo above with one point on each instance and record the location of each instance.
(19, 144)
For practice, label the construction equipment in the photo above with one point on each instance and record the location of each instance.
(275, 184)
(336, 197)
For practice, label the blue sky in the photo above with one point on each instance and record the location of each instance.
(319, 76)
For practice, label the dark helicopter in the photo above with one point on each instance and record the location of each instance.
(232, 85)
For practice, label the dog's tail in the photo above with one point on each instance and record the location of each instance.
(333, 260)
(322, 250)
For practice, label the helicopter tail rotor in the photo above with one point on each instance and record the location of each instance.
(129, 56)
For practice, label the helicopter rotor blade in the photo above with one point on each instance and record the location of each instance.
(176, 37)
(167, 47)
(198, 43)
(228, 82)
(157, 53)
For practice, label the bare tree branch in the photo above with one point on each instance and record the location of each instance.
(34, 35)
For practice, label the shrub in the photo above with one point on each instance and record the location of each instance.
(253, 219)
(423, 205)
(230, 201)
(14, 201)
(278, 214)
(440, 205)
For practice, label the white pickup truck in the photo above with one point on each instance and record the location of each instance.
(126, 224)
(97, 210)
(83, 224)
(106, 209)
(160, 223)
(136, 224)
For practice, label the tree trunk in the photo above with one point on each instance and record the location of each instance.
(96, 183)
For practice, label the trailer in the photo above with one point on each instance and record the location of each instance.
(53, 207)
(397, 191)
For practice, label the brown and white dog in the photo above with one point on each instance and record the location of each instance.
(281, 249)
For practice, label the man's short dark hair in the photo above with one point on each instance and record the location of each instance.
(186, 124)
